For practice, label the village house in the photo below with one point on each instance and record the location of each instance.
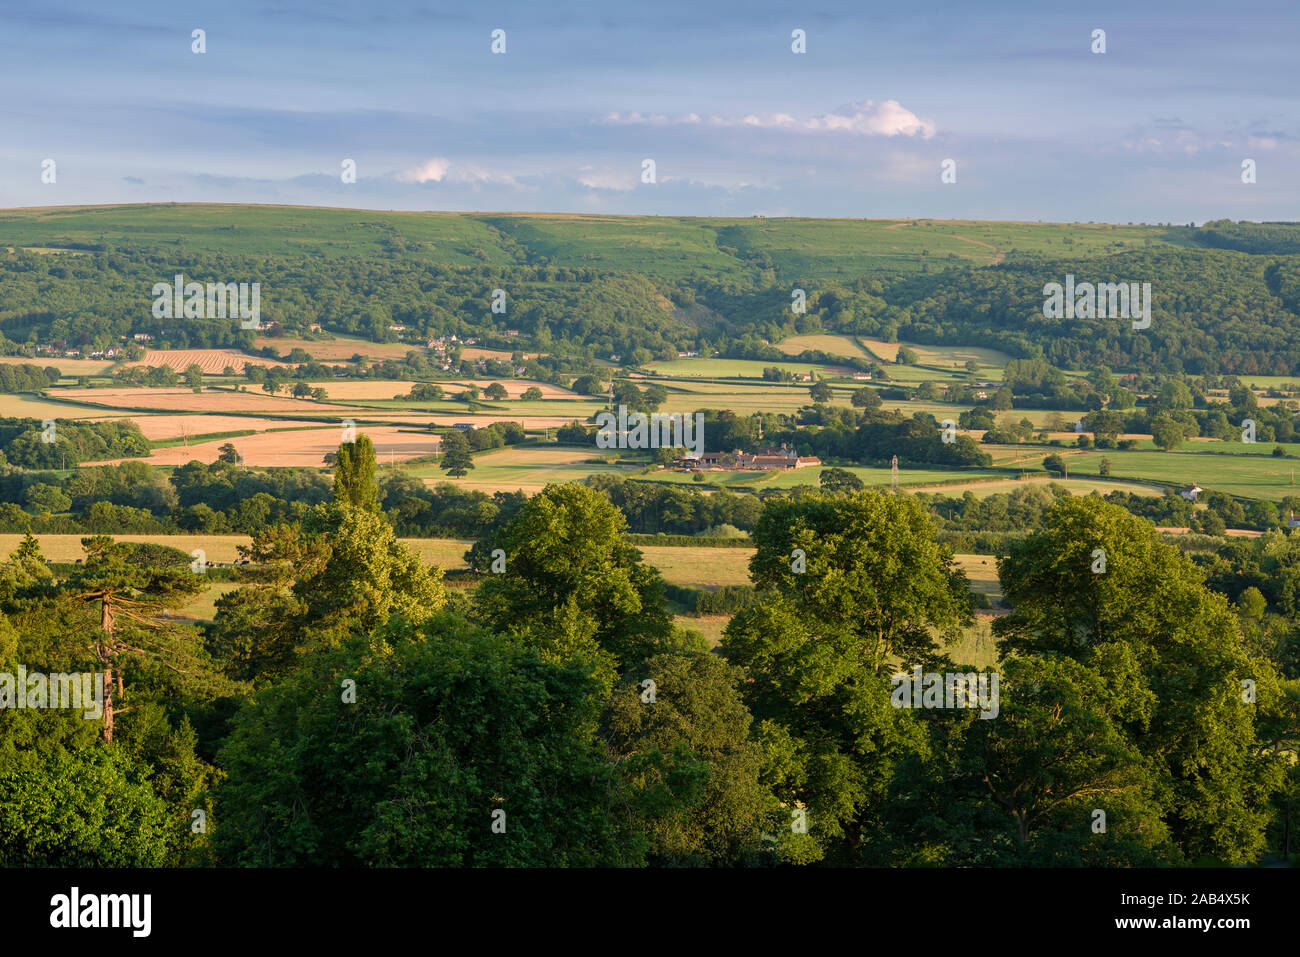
(1191, 492)
(862, 377)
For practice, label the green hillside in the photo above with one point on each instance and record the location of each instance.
(660, 246)
(645, 288)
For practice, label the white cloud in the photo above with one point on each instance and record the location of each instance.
(889, 118)
(431, 171)
(442, 170)
(868, 118)
(606, 178)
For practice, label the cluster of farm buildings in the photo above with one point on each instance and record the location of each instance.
(763, 460)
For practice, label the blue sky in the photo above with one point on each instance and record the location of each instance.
(1040, 127)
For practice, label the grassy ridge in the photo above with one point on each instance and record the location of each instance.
(664, 247)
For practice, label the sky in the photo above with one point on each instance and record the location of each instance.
(1036, 124)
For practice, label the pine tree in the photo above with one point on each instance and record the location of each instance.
(132, 588)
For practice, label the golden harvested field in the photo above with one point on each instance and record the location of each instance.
(339, 350)
(211, 361)
(344, 389)
(516, 387)
(447, 553)
(67, 548)
(699, 567)
(888, 351)
(209, 400)
(159, 427)
(304, 448)
(66, 366)
(526, 469)
(528, 421)
(844, 346)
(31, 407)
(952, 356)
(710, 626)
(389, 389)
(981, 571)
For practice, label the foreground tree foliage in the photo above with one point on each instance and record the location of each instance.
(70, 796)
(688, 732)
(573, 585)
(454, 723)
(866, 566)
(340, 571)
(346, 709)
(846, 586)
(1025, 788)
(1200, 738)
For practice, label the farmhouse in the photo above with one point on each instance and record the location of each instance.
(1191, 492)
(862, 377)
(763, 460)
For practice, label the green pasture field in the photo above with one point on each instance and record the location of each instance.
(1263, 382)
(976, 645)
(746, 400)
(1253, 474)
(790, 478)
(1075, 486)
(911, 375)
(735, 368)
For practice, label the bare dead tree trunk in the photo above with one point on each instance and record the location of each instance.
(105, 657)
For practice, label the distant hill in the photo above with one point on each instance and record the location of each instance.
(664, 247)
(1226, 297)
